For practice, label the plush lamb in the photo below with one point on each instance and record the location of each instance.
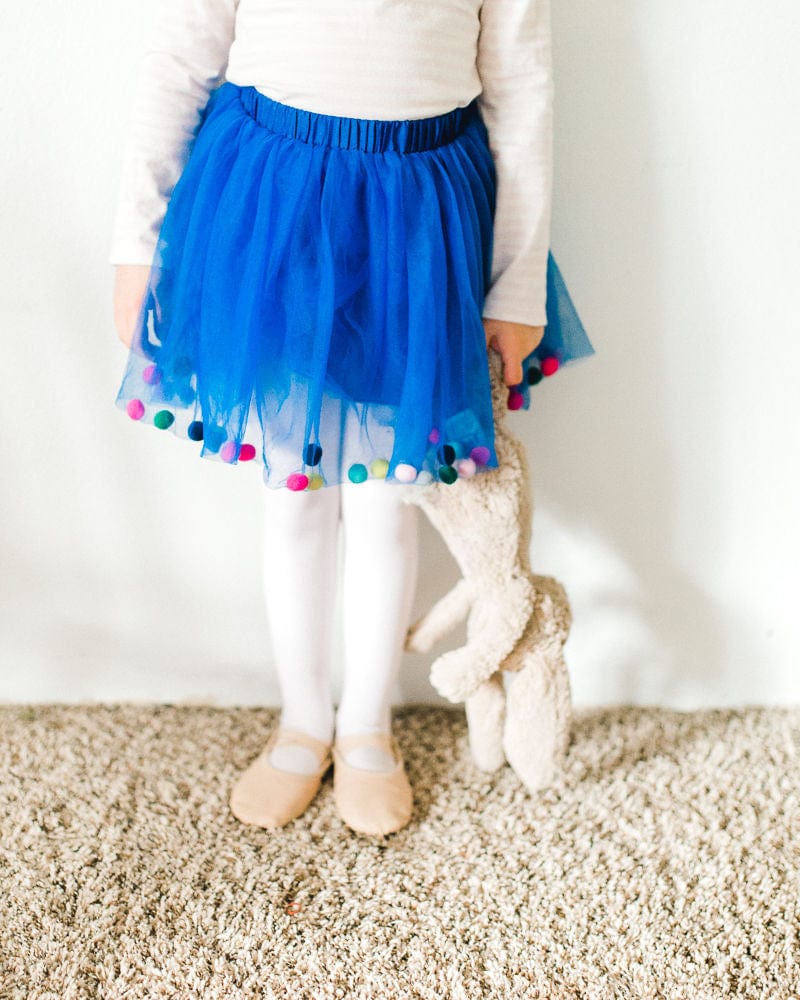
(517, 622)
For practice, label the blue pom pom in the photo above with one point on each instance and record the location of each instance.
(214, 437)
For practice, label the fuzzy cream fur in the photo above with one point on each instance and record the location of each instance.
(517, 622)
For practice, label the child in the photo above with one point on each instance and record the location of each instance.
(328, 213)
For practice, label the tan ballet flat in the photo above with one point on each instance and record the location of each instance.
(269, 797)
(371, 802)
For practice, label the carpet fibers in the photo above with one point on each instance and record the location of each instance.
(665, 862)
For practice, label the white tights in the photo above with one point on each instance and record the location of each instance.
(378, 578)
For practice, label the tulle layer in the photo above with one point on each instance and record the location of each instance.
(314, 303)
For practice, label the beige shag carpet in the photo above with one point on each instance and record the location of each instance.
(664, 863)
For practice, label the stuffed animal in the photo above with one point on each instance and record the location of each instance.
(517, 622)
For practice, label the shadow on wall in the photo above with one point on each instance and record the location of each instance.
(602, 457)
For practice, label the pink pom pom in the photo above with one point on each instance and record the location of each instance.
(433, 437)
(247, 453)
(405, 473)
(549, 366)
(151, 375)
(465, 467)
(135, 409)
(228, 451)
(297, 481)
(515, 399)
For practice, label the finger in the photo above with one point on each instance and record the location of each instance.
(513, 372)
(512, 367)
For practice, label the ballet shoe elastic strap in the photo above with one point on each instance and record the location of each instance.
(280, 737)
(380, 741)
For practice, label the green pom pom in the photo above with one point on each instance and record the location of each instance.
(448, 474)
(163, 419)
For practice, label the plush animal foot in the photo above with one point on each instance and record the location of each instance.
(447, 677)
(538, 719)
(456, 675)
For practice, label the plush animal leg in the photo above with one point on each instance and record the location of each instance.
(538, 718)
(486, 710)
(494, 627)
(448, 611)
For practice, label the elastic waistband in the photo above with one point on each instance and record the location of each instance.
(370, 135)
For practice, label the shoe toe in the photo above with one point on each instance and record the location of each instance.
(372, 802)
(268, 797)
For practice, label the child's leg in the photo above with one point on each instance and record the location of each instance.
(379, 576)
(299, 573)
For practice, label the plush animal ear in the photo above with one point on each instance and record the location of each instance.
(499, 388)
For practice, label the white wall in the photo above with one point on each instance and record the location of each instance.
(665, 468)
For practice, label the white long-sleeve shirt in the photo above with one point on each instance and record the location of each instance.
(393, 59)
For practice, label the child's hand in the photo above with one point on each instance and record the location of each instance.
(513, 341)
(130, 288)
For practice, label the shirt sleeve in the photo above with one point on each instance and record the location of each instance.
(514, 62)
(185, 59)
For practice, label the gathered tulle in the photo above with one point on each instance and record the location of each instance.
(565, 340)
(314, 302)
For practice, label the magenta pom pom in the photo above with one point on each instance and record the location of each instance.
(151, 375)
(480, 455)
(515, 399)
(297, 481)
(433, 437)
(549, 366)
(247, 453)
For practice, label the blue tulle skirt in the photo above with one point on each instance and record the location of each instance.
(315, 297)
